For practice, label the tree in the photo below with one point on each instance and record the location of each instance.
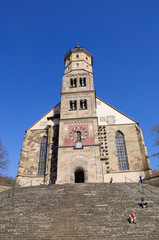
(4, 160)
(155, 131)
(9, 180)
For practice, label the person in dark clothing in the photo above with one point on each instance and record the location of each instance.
(143, 203)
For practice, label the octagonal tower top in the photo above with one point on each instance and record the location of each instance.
(78, 58)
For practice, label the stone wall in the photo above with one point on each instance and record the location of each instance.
(4, 188)
(135, 150)
(69, 160)
(29, 157)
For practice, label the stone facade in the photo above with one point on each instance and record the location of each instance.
(83, 138)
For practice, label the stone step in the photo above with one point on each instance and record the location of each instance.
(77, 211)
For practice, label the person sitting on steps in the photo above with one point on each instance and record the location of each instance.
(142, 179)
(111, 180)
(143, 203)
(132, 218)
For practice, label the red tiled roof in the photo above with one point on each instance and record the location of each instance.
(2, 182)
(155, 173)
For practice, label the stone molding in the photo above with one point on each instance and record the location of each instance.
(77, 97)
(76, 123)
(77, 74)
(78, 151)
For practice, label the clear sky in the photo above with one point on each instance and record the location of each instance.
(34, 36)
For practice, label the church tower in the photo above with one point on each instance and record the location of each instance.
(82, 138)
(78, 148)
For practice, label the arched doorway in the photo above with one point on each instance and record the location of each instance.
(79, 176)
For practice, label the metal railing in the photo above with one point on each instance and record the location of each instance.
(11, 192)
(145, 189)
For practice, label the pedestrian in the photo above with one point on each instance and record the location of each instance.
(140, 179)
(132, 218)
(111, 180)
(143, 179)
(143, 203)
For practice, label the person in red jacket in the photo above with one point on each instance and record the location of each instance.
(132, 218)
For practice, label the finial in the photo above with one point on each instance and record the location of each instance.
(77, 45)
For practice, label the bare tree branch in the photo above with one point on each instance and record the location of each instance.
(4, 159)
(155, 131)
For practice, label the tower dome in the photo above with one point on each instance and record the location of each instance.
(78, 58)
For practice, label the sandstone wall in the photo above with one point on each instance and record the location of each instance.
(29, 157)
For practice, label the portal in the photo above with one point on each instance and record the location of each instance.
(79, 176)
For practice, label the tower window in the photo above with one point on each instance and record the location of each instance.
(77, 56)
(42, 156)
(73, 82)
(83, 104)
(73, 105)
(86, 58)
(121, 151)
(77, 64)
(82, 82)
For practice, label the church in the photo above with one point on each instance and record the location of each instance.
(82, 139)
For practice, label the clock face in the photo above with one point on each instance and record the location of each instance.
(78, 134)
(78, 145)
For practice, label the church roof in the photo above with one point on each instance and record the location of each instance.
(2, 182)
(77, 48)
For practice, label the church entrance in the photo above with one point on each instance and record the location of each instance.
(79, 176)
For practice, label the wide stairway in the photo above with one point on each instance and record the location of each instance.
(79, 211)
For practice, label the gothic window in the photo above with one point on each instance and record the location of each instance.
(83, 104)
(73, 105)
(82, 82)
(73, 82)
(121, 151)
(77, 56)
(42, 156)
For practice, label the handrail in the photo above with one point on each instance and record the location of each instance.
(25, 184)
(143, 187)
(10, 193)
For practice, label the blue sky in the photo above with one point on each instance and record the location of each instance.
(35, 34)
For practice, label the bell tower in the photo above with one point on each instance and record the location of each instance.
(78, 149)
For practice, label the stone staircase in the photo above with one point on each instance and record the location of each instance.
(78, 211)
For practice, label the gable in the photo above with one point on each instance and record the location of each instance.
(43, 122)
(108, 115)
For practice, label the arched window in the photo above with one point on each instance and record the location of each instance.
(73, 105)
(83, 104)
(121, 151)
(82, 82)
(42, 156)
(78, 136)
(73, 82)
